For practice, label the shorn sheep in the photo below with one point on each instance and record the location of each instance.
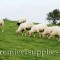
(39, 28)
(22, 20)
(24, 26)
(2, 24)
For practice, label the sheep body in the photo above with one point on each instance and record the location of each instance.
(24, 26)
(37, 28)
(2, 24)
(55, 33)
(49, 30)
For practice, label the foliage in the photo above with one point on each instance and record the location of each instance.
(53, 16)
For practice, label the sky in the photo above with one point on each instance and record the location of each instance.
(32, 10)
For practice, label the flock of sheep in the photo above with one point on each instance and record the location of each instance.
(42, 29)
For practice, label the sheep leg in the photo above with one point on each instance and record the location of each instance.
(43, 35)
(59, 39)
(2, 27)
(39, 34)
(22, 34)
(50, 36)
(25, 34)
(34, 35)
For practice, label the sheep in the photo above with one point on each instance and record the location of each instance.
(2, 24)
(55, 33)
(24, 26)
(22, 20)
(37, 28)
(48, 31)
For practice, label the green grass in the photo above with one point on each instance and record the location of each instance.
(10, 41)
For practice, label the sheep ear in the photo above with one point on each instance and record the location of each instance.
(18, 24)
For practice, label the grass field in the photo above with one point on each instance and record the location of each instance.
(10, 41)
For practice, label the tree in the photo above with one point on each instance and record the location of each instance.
(53, 16)
(6, 19)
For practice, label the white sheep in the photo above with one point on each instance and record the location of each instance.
(22, 20)
(24, 26)
(2, 24)
(55, 33)
(48, 31)
(37, 28)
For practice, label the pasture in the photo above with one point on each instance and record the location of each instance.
(9, 40)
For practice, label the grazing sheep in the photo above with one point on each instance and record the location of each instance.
(2, 24)
(48, 31)
(22, 20)
(37, 28)
(24, 26)
(55, 33)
